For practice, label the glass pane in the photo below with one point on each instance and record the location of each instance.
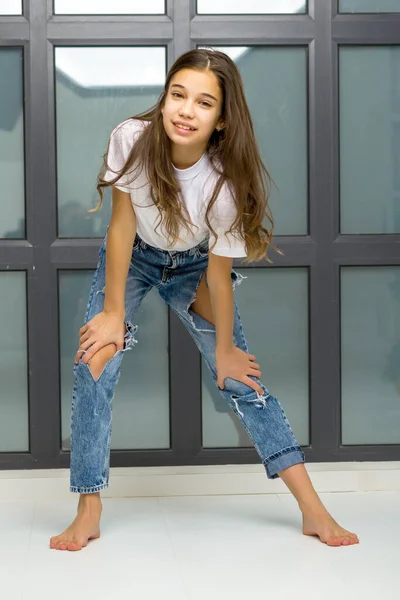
(370, 139)
(96, 88)
(14, 434)
(275, 81)
(238, 7)
(141, 403)
(105, 7)
(369, 6)
(370, 325)
(11, 7)
(277, 333)
(12, 198)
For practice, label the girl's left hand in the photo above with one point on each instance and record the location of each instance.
(238, 365)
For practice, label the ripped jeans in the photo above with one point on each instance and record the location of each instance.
(176, 275)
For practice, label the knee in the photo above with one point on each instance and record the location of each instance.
(237, 388)
(100, 359)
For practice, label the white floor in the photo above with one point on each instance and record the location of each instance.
(202, 548)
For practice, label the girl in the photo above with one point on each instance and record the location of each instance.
(189, 194)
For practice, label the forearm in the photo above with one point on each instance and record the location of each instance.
(222, 302)
(118, 256)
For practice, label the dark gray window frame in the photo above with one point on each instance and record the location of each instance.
(323, 251)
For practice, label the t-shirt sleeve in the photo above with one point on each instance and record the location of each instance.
(121, 142)
(222, 216)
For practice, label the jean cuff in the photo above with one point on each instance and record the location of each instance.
(287, 458)
(78, 489)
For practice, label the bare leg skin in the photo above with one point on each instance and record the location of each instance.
(316, 519)
(85, 527)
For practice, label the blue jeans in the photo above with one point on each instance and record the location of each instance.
(176, 275)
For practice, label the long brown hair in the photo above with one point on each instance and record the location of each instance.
(233, 152)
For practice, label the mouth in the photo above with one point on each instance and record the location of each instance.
(184, 129)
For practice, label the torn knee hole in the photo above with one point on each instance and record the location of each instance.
(98, 362)
(258, 400)
(129, 338)
(199, 323)
(199, 311)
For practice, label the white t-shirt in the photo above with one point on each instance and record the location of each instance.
(197, 184)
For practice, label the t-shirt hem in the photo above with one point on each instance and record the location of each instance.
(229, 253)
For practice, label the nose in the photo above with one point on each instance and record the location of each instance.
(186, 109)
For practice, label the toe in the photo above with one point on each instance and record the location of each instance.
(55, 539)
(354, 540)
(334, 541)
(349, 539)
(62, 546)
(59, 544)
(74, 546)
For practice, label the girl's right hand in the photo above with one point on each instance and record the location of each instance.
(103, 329)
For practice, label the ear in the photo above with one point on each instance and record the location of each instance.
(220, 126)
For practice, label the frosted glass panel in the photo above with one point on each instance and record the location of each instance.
(11, 7)
(369, 6)
(370, 311)
(141, 403)
(108, 7)
(12, 197)
(276, 330)
(14, 435)
(275, 81)
(370, 139)
(96, 88)
(240, 7)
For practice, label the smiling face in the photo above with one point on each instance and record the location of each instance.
(191, 112)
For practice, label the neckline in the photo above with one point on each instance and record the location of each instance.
(190, 172)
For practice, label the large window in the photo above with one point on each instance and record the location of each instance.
(96, 88)
(370, 332)
(105, 7)
(141, 404)
(12, 200)
(277, 333)
(238, 7)
(370, 139)
(275, 81)
(13, 363)
(11, 7)
(322, 80)
(369, 6)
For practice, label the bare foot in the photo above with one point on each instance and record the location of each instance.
(85, 526)
(321, 524)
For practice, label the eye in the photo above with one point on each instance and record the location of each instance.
(204, 103)
(176, 95)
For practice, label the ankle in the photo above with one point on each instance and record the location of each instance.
(312, 507)
(90, 501)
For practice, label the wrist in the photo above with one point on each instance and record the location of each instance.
(224, 348)
(114, 313)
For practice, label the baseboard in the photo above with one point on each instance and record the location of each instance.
(203, 480)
